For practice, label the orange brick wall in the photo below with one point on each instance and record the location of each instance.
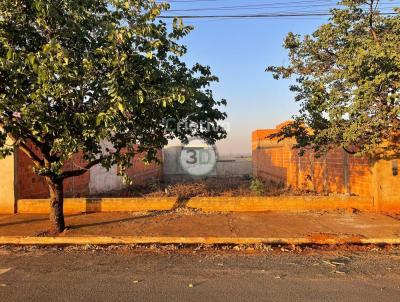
(361, 177)
(337, 172)
(330, 174)
(31, 186)
(142, 173)
(76, 186)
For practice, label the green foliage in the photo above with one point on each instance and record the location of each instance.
(257, 186)
(74, 74)
(347, 81)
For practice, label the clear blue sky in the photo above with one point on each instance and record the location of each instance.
(238, 52)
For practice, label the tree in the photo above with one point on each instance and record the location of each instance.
(347, 82)
(74, 74)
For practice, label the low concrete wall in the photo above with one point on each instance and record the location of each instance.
(82, 205)
(212, 204)
(282, 204)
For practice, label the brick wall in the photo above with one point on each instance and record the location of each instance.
(76, 186)
(142, 173)
(31, 186)
(337, 172)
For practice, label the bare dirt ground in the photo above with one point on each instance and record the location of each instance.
(129, 274)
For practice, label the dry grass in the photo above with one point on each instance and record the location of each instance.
(235, 186)
(212, 186)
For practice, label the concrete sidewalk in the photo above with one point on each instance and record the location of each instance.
(185, 226)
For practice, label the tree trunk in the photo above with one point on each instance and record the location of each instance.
(56, 205)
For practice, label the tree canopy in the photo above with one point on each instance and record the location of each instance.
(347, 82)
(74, 74)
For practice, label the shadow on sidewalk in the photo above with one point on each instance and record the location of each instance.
(33, 220)
(180, 203)
(150, 215)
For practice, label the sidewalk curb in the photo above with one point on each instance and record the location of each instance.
(125, 240)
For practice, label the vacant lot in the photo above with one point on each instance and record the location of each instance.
(213, 186)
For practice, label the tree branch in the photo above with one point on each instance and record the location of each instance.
(41, 145)
(371, 19)
(348, 151)
(25, 129)
(32, 155)
(82, 171)
(24, 147)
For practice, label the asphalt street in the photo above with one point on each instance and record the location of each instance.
(122, 274)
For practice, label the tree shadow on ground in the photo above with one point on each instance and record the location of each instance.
(32, 220)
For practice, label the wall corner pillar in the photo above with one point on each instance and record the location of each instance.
(8, 194)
